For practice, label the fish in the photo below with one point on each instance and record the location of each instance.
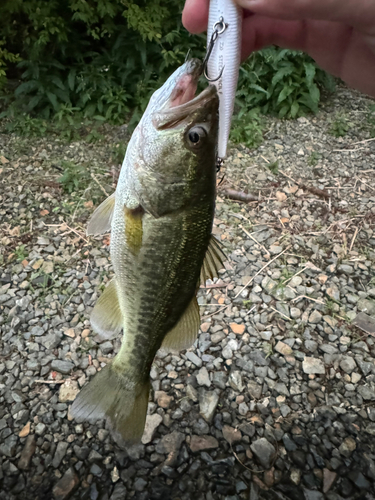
(224, 62)
(161, 248)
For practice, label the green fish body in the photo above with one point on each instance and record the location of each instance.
(161, 220)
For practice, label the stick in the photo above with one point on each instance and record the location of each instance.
(260, 270)
(50, 381)
(98, 183)
(252, 237)
(308, 298)
(276, 311)
(353, 239)
(291, 178)
(232, 194)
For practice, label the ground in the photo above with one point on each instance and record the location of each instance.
(276, 400)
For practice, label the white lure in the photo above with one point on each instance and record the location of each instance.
(224, 60)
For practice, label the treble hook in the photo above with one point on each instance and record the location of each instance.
(219, 27)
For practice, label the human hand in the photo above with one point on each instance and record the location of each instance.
(338, 34)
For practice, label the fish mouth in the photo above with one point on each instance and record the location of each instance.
(183, 101)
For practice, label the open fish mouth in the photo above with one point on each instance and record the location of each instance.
(183, 101)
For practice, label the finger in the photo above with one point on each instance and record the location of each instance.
(195, 15)
(352, 12)
(348, 57)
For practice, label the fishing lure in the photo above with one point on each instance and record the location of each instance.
(222, 62)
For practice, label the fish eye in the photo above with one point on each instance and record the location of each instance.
(194, 137)
(196, 134)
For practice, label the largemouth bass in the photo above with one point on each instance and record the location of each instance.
(161, 217)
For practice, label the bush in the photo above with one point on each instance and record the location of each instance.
(102, 59)
(281, 82)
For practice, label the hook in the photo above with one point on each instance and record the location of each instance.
(218, 29)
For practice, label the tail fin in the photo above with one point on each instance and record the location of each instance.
(109, 396)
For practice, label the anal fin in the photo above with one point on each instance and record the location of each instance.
(101, 219)
(184, 333)
(106, 317)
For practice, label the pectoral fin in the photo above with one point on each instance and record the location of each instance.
(106, 317)
(184, 333)
(213, 261)
(101, 219)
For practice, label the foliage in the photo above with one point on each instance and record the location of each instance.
(314, 158)
(339, 125)
(100, 60)
(273, 167)
(75, 177)
(282, 82)
(247, 128)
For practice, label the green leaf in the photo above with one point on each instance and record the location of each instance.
(72, 78)
(294, 109)
(286, 91)
(53, 100)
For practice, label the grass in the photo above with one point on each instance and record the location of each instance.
(314, 159)
(339, 125)
(21, 253)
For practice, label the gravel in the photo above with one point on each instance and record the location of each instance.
(275, 400)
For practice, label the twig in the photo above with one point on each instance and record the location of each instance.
(77, 233)
(216, 285)
(308, 298)
(364, 141)
(368, 185)
(260, 270)
(50, 381)
(286, 175)
(353, 239)
(232, 194)
(321, 193)
(276, 311)
(299, 272)
(98, 183)
(252, 237)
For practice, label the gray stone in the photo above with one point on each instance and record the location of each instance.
(219, 379)
(295, 312)
(269, 285)
(62, 366)
(59, 453)
(315, 317)
(208, 401)
(235, 381)
(66, 486)
(313, 365)
(367, 306)
(191, 356)
(264, 451)
(227, 352)
(254, 389)
(106, 347)
(152, 423)
(170, 444)
(313, 495)
(140, 484)
(348, 364)
(203, 377)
